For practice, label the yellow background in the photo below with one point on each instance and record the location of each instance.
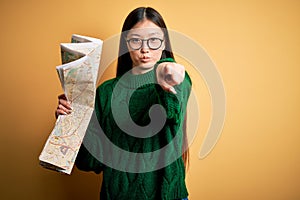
(255, 45)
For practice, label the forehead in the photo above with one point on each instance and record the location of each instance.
(145, 28)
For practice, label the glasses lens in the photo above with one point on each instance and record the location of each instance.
(154, 43)
(135, 43)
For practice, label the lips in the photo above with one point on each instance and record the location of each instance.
(145, 59)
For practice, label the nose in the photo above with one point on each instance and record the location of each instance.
(144, 48)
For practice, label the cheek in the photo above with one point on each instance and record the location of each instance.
(133, 55)
(157, 54)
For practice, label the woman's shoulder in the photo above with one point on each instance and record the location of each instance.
(105, 90)
(107, 85)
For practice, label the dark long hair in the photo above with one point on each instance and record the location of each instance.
(125, 63)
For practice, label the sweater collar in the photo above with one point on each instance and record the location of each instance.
(141, 80)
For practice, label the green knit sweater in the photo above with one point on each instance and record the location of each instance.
(138, 173)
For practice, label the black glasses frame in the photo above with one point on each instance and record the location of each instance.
(161, 41)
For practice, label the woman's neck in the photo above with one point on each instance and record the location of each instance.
(140, 70)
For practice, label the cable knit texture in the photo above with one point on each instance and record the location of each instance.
(138, 93)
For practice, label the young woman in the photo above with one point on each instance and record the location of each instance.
(146, 75)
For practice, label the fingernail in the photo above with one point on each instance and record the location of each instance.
(173, 90)
(69, 104)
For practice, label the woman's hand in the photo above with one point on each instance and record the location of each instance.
(64, 106)
(170, 74)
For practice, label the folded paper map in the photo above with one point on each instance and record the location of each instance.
(78, 76)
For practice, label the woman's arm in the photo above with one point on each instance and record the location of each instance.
(175, 86)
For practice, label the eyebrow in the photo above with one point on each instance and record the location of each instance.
(135, 34)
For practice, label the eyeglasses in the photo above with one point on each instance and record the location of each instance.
(152, 43)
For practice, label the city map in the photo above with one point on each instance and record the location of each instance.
(78, 76)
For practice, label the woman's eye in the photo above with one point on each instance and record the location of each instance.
(153, 39)
(135, 40)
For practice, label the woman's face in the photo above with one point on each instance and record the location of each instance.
(145, 42)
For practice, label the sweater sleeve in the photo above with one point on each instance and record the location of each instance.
(86, 162)
(175, 104)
